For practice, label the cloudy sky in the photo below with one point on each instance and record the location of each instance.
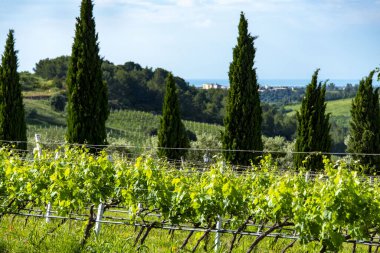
(194, 38)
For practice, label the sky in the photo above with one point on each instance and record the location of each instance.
(194, 38)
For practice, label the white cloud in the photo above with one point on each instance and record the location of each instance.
(185, 3)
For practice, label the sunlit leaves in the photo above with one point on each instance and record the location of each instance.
(328, 208)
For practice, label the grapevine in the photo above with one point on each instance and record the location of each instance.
(336, 206)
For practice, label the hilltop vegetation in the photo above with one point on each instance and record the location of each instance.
(133, 87)
(137, 88)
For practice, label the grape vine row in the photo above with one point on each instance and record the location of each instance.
(337, 206)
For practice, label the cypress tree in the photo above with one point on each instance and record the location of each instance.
(12, 114)
(365, 125)
(172, 133)
(313, 127)
(87, 93)
(243, 113)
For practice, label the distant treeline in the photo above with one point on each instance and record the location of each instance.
(290, 95)
(132, 86)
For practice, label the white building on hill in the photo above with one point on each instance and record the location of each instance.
(207, 86)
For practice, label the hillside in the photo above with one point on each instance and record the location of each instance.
(337, 108)
(124, 127)
(339, 119)
(141, 89)
(132, 86)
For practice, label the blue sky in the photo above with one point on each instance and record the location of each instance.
(194, 38)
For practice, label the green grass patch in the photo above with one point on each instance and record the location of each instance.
(39, 112)
(337, 108)
(20, 234)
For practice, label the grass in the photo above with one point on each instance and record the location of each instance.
(45, 116)
(35, 235)
(40, 93)
(339, 110)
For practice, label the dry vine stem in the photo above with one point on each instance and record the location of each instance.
(270, 230)
(241, 228)
(200, 239)
(90, 225)
(289, 246)
(186, 240)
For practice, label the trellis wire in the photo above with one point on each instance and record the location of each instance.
(183, 227)
(104, 146)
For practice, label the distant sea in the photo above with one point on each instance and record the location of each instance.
(277, 82)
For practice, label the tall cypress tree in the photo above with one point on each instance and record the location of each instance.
(172, 136)
(87, 93)
(365, 125)
(243, 116)
(313, 127)
(12, 114)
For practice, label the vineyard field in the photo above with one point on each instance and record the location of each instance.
(124, 127)
(327, 211)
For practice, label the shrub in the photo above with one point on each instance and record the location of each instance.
(58, 102)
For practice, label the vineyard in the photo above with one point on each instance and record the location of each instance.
(329, 210)
(124, 127)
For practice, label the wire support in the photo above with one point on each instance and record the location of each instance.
(164, 226)
(217, 150)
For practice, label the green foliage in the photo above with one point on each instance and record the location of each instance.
(87, 93)
(276, 122)
(281, 95)
(243, 113)
(137, 88)
(337, 108)
(336, 206)
(41, 113)
(52, 179)
(365, 125)
(206, 146)
(339, 111)
(53, 68)
(280, 149)
(134, 87)
(30, 114)
(57, 83)
(313, 127)
(42, 119)
(12, 113)
(30, 82)
(58, 102)
(172, 135)
(291, 95)
(191, 135)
